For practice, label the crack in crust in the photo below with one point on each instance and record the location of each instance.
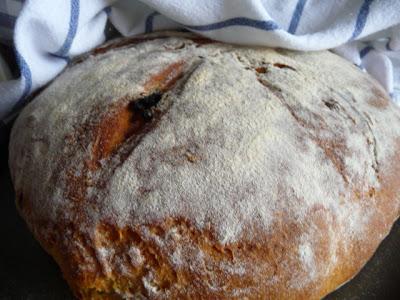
(366, 120)
(132, 118)
(371, 140)
(122, 127)
(330, 147)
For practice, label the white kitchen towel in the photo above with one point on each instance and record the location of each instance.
(47, 33)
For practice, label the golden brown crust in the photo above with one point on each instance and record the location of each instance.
(77, 250)
(174, 258)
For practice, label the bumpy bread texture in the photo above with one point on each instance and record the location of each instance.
(168, 167)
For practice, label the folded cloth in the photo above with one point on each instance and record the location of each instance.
(47, 33)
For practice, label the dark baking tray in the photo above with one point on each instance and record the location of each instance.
(28, 272)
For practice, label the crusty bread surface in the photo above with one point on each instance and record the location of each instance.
(169, 166)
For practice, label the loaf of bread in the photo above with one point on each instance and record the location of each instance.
(169, 166)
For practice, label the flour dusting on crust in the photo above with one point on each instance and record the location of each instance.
(245, 139)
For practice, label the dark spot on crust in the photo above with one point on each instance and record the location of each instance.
(371, 192)
(144, 191)
(199, 40)
(191, 157)
(150, 101)
(147, 115)
(261, 70)
(283, 66)
(331, 104)
(144, 106)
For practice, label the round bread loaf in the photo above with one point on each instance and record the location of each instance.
(169, 166)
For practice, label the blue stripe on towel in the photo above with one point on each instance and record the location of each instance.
(107, 10)
(149, 22)
(388, 45)
(361, 19)
(365, 51)
(239, 21)
(25, 73)
(298, 11)
(73, 26)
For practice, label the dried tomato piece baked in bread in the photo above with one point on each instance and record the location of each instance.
(169, 166)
